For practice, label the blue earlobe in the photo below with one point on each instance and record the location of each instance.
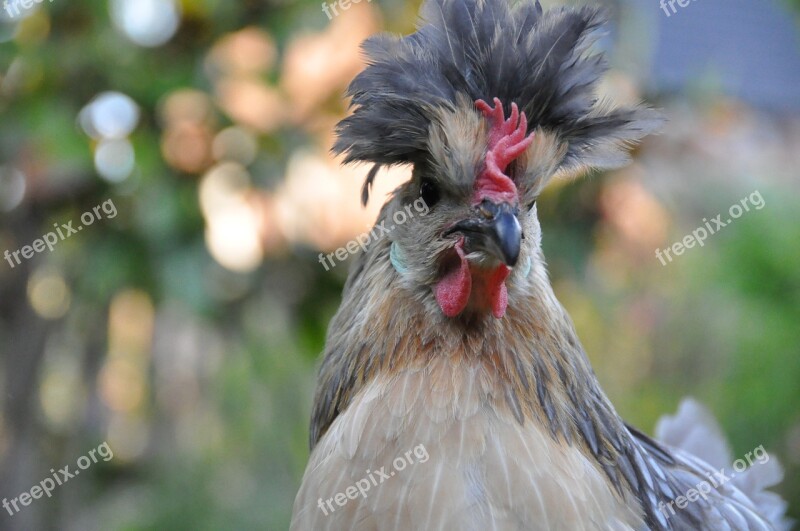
(397, 258)
(526, 268)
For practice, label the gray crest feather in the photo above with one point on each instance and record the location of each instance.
(485, 49)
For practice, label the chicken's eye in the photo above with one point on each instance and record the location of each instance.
(429, 192)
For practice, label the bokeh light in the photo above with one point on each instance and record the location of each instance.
(114, 159)
(235, 144)
(148, 23)
(110, 115)
(49, 294)
(12, 188)
(188, 119)
(62, 394)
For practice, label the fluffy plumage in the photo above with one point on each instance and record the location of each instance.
(519, 433)
(485, 50)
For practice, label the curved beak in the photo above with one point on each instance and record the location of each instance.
(493, 229)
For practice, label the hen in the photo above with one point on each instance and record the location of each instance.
(454, 392)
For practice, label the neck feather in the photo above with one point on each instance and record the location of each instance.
(533, 354)
(534, 351)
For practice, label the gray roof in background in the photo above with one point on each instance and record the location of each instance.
(751, 48)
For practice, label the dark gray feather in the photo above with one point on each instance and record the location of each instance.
(482, 50)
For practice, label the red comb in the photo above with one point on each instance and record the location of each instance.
(507, 141)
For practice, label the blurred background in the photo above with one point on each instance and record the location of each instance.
(186, 329)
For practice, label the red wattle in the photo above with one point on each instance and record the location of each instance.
(453, 290)
(497, 291)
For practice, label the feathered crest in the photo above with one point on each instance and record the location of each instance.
(488, 49)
